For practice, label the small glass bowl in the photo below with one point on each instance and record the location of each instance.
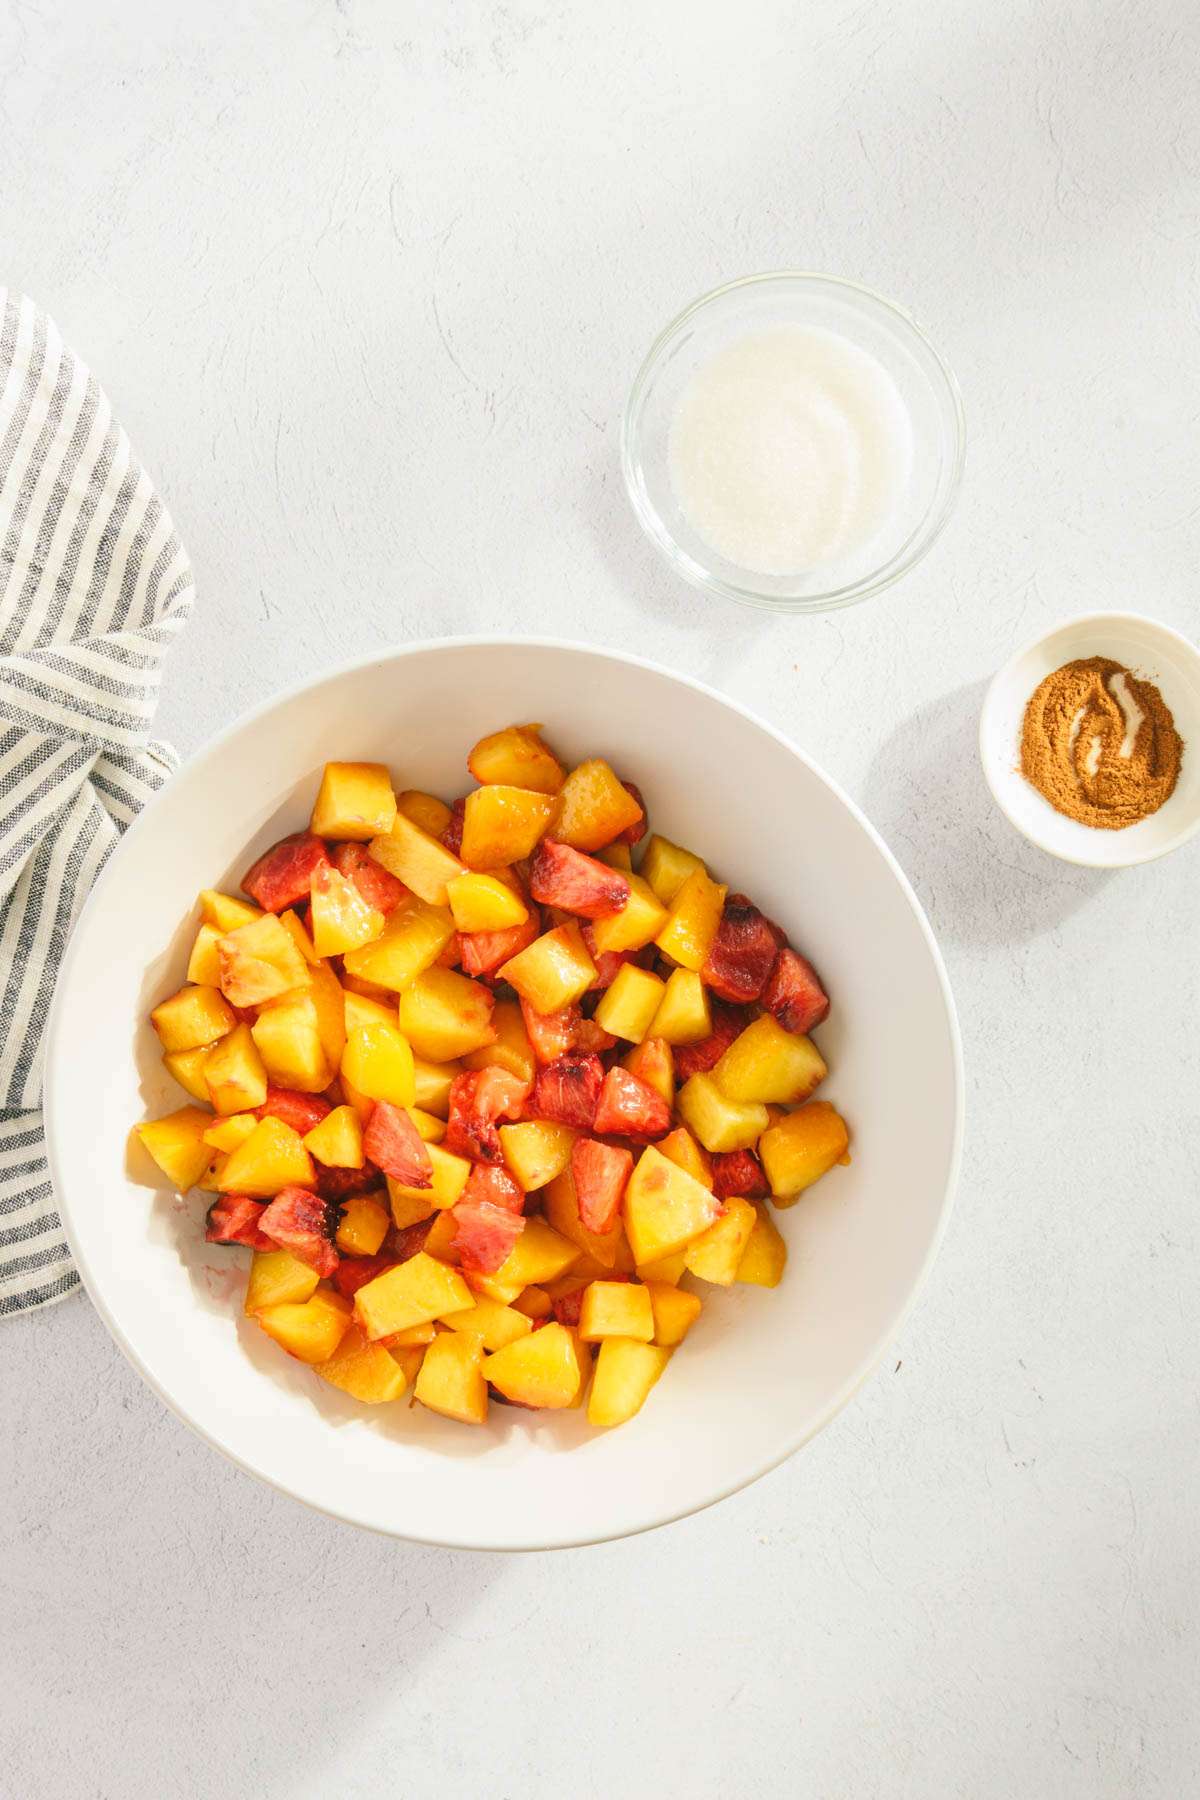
(926, 385)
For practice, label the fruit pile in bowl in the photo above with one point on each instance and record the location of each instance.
(490, 1109)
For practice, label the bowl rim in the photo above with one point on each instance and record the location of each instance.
(918, 542)
(793, 1442)
(998, 786)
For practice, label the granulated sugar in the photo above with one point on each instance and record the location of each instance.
(789, 448)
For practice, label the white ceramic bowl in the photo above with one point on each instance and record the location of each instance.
(1146, 648)
(762, 1371)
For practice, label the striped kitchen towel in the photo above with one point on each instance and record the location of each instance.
(94, 584)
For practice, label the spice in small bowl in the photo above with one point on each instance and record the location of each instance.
(1099, 744)
(1088, 740)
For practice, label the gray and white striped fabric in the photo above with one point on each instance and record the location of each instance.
(94, 584)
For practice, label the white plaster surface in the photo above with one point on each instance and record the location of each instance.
(367, 283)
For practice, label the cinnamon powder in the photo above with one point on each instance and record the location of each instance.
(1100, 745)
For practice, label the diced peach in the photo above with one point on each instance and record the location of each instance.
(451, 1381)
(481, 902)
(683, 1150)
(227, 1133)
(502, 825)
(413, 938)
(600, 1173)
(187, 1068)
(665, 1208)
(625, 1372)
(450, 1176)
(337, 1141)
(271, 1158)
(193, 1017)
(534, 1303)
(309, 1330)
(413, 1293)
(719, 1123)
(425, 810)
(483, 952)
(594, 807)
(802, 1148)
(738, 1172)
(234, 1219)
(567, 1091)
(417, 859)
(177, 1145)
(258, 962)
(362, 1227)
(225, 912)
(495, 1325)
(562, 1210)
(542, 1369)
(539, 1254)
(691, 926)
(675, 1312)
(298, 932)
(768, 1063)
(433, 1083)
(652, 1061)
(302, 1222)
(365, 1371)
(669, 1270)
(564, 877)
(393, 1143)
(444, 1015)
(715, 1255)
(355, 800)
(378, 887)
(512, 1050)
(618, 856)
(765, 1255)
(630, 1003)
(536, 1151)
(701, 1057)
(637, 924)
(630, 1107)
(378, 1061)
(684, 1015)
(204, 965)
(282, 876)
(666, 866)
(485, 1234)
(552, 972)
(794, 994)
(234, 1072)
(300, 1111)
(742, 953)
(616, 1309)
(288, 1033)
(278, 1278)
(516, 757)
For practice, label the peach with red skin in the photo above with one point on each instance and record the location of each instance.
(480, 1098)
(794, 995)
(743, 952)
(496, 1186)
(738, 1172)
(482, 952)
(485, 1234)
(377, 885)
(282, 876)
(567, 1090)
(300, 1111)
(344, 1184)
(600, 1173)
(630, 1107)
(354, 1272)
(452, 836)
(697, 1059)
(299, 1221)
(235, 1219)
(566, 878)
(551, 1034)
(394, 1144)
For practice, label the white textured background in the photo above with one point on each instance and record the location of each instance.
(367, 283)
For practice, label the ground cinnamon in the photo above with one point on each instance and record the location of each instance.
(1100, 744)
